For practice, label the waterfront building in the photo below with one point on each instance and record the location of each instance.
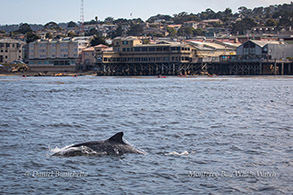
(140, 56)
(11, 50)
(90, 55)
(56, 55)
(270, 50)
(132, 50)
(212, 50)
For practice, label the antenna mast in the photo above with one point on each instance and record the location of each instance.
(82, 17)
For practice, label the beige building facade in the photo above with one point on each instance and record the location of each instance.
(56, 55)
(132, 50)
(11, 50)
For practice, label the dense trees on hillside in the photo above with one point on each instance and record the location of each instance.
(97, 40)
(238, 23)
(24, 28)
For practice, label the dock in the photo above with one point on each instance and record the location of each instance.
(243, 67)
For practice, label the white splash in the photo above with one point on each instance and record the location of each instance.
(185, 153)
(74, 151)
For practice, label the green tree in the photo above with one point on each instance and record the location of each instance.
(52, 25)
(109, 20)
(24, 28)
(72, 34)
(271, 22)
(185, 31)
(72, 24)
(135, 30)
(98, 40)
(198, 32)
(172, 31)
(31, 37)
(49, 35)
(241, 26)
(118, 32)
(91, 32)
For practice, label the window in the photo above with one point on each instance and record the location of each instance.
(166, 59)
(144, 49)
(152, 49)
(165, 48)
(7, 45)
(159, 49)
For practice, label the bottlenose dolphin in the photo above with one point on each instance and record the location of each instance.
(112, 146)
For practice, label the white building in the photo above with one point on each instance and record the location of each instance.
(56, 55)
(11, 50)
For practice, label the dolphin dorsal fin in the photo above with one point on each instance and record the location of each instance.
(117, 138)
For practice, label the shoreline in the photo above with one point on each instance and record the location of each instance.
(72, 74)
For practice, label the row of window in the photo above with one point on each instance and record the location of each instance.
(52, 50)
(53, 56)
(6, 51)
(152, 49)
(147, 59)
(56, 63)
(9, 45)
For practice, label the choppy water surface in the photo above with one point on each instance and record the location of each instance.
(202, 135)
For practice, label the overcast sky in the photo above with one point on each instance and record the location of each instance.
(42, 12)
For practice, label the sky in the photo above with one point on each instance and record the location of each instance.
(42, 12)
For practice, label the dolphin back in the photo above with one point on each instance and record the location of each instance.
(112, 146)
(117, 138)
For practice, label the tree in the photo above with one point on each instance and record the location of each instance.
(109, 20)
(118, 32)
(31, 37)
(171, 31)
(185, 31)
(240, 27)
(71, 24)
(49, 35)
(198, 32)
(135, 30)
(159, 16)
(98, 40)
(72, 34)
(92, 31)
(271, 22)
(24, 28)
(52, 25)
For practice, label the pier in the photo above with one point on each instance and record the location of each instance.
(248, 67)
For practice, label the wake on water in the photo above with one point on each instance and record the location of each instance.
(68, 151)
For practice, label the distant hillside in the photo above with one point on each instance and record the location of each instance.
(237, 23)
(15, 27)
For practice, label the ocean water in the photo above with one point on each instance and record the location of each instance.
(223, 135)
